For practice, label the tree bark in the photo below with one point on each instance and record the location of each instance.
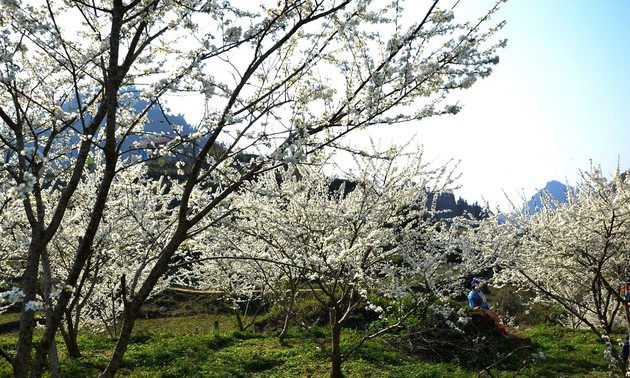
(129, 319)
(132, 306)
(53, 357)
(285, 328)
(70, 337)
(285, 325)
(239, 321)
(23, 361)
(335, 355)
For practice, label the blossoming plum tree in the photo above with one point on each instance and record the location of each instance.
(374, 239)
(575, 254)
(133, 226)
(278, 79)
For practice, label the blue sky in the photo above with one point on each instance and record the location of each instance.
(564, 83)
(558, 100)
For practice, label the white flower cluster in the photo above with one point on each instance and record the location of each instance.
(21, 190)
(233, 34)
(463, 319)
(33, 155)
(180, 167)
(11, 297)
(34, 306)
(373, 307)
(9, 3)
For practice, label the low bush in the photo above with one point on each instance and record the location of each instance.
(308, 311)
(477, 343)
(518, 306)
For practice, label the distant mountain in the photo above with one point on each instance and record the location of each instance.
(448, 207)
(159, 124)
(555, 189)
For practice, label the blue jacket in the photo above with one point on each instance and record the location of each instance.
(476, 300)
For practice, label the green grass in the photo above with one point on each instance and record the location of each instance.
(568, 353)
(190, 347)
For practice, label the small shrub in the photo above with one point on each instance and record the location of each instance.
(308, 311)
(141, 338)
(517, 305)
(477, 344)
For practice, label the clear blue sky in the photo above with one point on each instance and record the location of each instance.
(559, 99)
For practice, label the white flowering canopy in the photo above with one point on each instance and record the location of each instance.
(276, 81)
(575, 254)
(374, 233)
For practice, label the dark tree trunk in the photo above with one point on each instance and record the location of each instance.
(23, 361)
(285, 325)
(335, 356)
(239, 321)
(70, 336)
(129, 319)
(132, 306)
(53, 357)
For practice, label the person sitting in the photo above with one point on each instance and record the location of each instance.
(477, 301)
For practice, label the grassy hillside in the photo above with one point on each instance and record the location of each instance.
(189, 346)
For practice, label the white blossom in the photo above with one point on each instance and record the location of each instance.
(34, 306)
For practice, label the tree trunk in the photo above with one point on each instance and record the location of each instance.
(239, 321)
(55, 367)
(129, 319)
(70, 336)
(23, 362)
(285, 327)
(53, 357)
(335, 355)
(132, 306)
